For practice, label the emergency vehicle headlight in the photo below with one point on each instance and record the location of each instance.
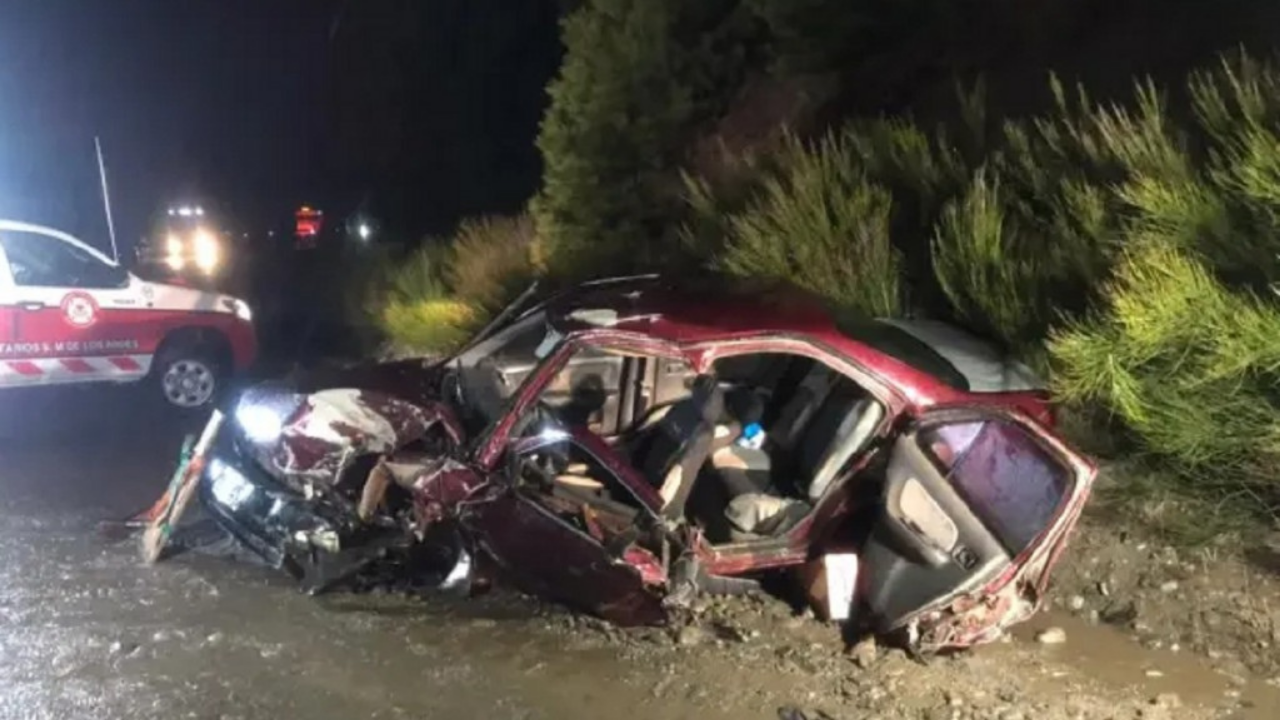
(205, 250)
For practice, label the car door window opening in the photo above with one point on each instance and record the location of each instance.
(560, 467)
(40, 261)
(683, 433)
(487, 375)
(816, 422)
(1013, 485)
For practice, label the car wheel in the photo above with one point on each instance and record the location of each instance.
(189, 379)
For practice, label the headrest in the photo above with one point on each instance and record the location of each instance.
(708, 397)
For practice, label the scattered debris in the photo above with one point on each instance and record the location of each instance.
(691, 636)
(1052, 636)
(865, 652)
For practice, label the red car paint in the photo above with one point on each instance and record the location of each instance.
(107, 326)
(701, 323)
(550, 558)
(45, 332)
(331, 426)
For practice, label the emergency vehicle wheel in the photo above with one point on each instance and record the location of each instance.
(189, 378)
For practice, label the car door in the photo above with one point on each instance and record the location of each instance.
(8, 316)
(549, 556)
(75, 317)
(977, 505)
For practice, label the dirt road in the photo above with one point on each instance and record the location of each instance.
(87, 632)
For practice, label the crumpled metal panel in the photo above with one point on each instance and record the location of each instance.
(441, 487)
(334, 426)
(973, 620)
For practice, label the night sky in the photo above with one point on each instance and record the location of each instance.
(261, 105)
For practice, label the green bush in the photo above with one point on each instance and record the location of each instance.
(637, 78)
(436, 298)
(1139, 251)
(1191, 367)
(991, 284)
(414, 308)
(428, 325)
(1185, 347)
(817, 222)
(491, 261)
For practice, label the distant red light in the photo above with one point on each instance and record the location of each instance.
(308, 222)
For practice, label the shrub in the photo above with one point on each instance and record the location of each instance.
(363, 276)
(414, 308)
(1190, 366)
(491, 261)
(817, 222)
(638, 77)
(991, 282)
(428, 325)
(1238, 108)
(1185, 348)
(434, 299)
(1028, 236)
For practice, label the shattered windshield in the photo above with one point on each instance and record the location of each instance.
(489, 373)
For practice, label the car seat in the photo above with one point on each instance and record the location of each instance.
(681, 444)
(840, 429)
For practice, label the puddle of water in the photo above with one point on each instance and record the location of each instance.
(1112, 658)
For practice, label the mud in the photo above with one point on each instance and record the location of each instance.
(87, 632)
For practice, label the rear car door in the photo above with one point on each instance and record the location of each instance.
(74, 315)
(977, 505)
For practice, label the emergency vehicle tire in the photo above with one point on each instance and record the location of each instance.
(189, 377)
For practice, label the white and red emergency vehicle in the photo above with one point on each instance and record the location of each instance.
(69, 314)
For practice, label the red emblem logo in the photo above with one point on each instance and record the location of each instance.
(79, 309)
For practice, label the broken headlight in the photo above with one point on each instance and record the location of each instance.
(228, 485)
(262, 413)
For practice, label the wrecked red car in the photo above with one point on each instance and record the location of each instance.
(628, 445)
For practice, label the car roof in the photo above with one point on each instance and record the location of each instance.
(983, 366)
(719, 311)
(681, 313)
(17, 226)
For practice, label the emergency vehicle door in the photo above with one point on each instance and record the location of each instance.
(61, 303)
(8, 310)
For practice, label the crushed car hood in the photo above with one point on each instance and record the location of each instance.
(332, 427)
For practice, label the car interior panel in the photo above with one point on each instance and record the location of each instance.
(680, 432)
(560, 474)
(921, 540)
(936, 536)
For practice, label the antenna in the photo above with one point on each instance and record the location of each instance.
(106, 200)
